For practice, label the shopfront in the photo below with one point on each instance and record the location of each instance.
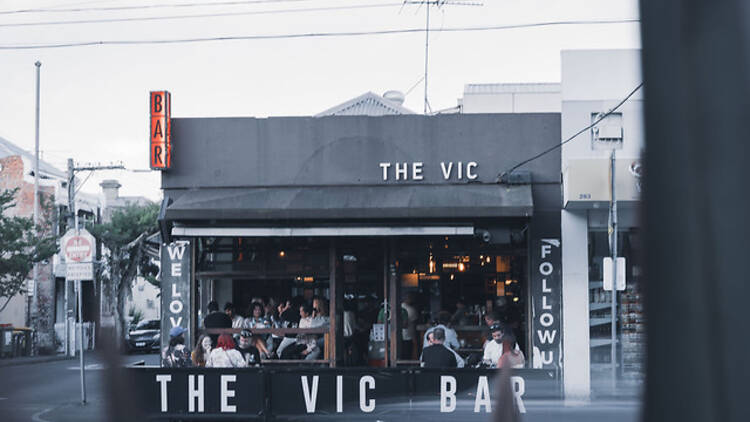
(368, 213)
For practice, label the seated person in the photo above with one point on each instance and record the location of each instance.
(493, 349)
(462, 315)
(436, 355)
(249, 352)
(451, 338)
(512, 357)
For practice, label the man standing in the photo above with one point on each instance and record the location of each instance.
(437, 355)
(216, 319)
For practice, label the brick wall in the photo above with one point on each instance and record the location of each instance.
(43, 308)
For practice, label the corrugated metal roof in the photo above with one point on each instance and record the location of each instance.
(9, 149)
(503, 88)
(367, 104)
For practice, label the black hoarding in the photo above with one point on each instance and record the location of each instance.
(326, 393)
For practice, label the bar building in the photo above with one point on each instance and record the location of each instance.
(367, 210)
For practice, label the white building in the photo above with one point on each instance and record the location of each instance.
(592, 82)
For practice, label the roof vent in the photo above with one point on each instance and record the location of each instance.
(395, 96)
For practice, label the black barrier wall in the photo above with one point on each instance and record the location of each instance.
(323, 393)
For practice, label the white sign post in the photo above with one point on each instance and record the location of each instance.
(78, 248)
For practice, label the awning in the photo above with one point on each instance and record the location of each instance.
(385, 202)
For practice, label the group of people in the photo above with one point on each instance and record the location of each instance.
(226, 353)
(500, 349)
(286, 313)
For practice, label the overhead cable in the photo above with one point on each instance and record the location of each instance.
(310, 35)
(142, 7)
(502, 176)
(202, 15)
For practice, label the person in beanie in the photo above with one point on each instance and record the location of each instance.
(249, 352)
(176, 355)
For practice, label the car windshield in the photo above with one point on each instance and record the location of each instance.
(152, 324)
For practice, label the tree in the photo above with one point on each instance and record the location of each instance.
(20, 248)
(124, 238)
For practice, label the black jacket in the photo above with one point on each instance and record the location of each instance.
(438, 356)
(217, 320)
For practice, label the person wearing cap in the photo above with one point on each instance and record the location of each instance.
(176, 355)
(249, 352)
(493, 349)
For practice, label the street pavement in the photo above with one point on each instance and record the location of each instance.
(50, 392)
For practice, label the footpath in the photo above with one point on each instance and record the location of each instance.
(29, 360)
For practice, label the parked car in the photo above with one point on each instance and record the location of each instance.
(145, 337)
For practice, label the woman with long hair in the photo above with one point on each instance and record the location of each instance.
(202, 351)
(225, 355)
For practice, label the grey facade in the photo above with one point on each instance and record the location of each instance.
(287, 173)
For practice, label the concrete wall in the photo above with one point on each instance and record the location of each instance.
(511, 98)
(593, 81)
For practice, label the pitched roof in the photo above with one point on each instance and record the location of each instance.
(367, 104)
(9, 149)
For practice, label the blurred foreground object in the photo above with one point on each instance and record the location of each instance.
(695, 58)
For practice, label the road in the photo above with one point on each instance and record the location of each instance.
(46, 392)
(50, 392)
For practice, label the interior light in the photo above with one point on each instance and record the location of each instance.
(282, 254)
(461, 266)
(515, 299)
(452, 277)
(507, 282)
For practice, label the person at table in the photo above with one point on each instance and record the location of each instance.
(451, 337)
(436, 355)
(249, 352)
(493, 349)
(216, 319)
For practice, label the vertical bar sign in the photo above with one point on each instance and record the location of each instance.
(160, 130)
(175, 290)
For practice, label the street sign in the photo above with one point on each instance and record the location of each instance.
(78, 249)
(607, 270)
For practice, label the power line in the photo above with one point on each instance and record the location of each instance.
(600, 117)
(142, 7)
(311, 35)
(202, 15)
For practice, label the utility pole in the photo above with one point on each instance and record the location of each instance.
(31, 298)
(613, 234)
(73, 222)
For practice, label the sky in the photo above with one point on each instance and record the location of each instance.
(94, 99)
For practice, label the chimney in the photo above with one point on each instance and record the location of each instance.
(111, 189)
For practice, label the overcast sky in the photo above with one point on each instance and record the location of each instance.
(95, 98)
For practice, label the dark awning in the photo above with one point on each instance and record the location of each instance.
(352, 202)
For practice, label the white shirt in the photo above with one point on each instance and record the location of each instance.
(220, 358)
(411, 321)
(451, 338)
(237, 321)
(492, 352)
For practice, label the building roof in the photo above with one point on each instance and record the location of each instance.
(367, 104)
(9, 149)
